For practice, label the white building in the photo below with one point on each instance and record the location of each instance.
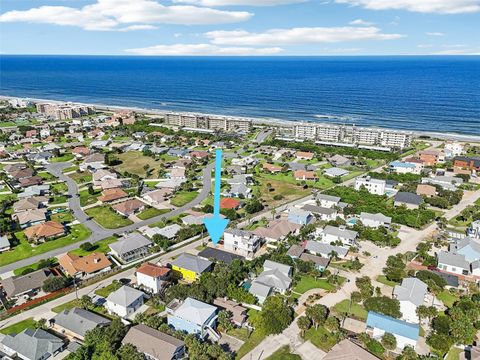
(411, 294)
(405, 333)
(333, 234)
(327, 201)
(375, 220)
(453, 263)
(152, 277)
(373, 186)
(241, 242)
(453, 149)
(125, 301)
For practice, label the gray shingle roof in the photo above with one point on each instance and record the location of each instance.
(125, 296)
(33, 344)
(411, 289)
(340, 232)
(79, 321)
(319, 209)
(321, 248)
(219, 255)
(335, 199)
(20, 284)
(129, 243)
(192, 262)
(408, 198)
(452, 259)
(376, 217)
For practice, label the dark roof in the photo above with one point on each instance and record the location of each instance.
(476, 160)
(16, 285)
(451, 280)
(219, 255)
(408, 198)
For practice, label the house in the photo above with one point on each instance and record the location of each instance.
(80, 151)
(35, 190)
(271, 168)
(304, 155)
(276, 231)
(335, 172)
(431, 157)
(474, 229)
(177, 152)
(177, 173)
(192, 316)
(27, 204)
(131, 247)
(30, 218)
(275, 277)
(101, 175)
(339, 160)
(411, 294)
(84, 266)
(325, 250)
(230, 203)
(305, 175)
(189, 267)
(405, 333)
(373, 186)
(129, 207)
(244, 243)
(452, 149)
(410, 200)
(348, 350)
(240, 190)
(426, 190)
(110, 195)
(93, 161)
(155, 344)
(152, 277)
(320, 263)
(16, 286)
(169, 231)
(198, 154)
(299, 216)
(450, 183)
(453, 263)
(375, 220)
(219, 255)
(401, 167)
(111, 184)
(333, 234)
(4, 243)
(157, 197)
(74, 323)
(327, 201)
(42, 232)
(125, 301)
(34, 180)
(32, 344)
(322, 213)
(239, 312)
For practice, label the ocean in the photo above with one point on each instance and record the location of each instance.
(432, 94)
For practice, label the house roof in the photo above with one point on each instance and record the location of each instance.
(19, 284)
(271, 167)
(468, 247)
(219, 255)
(408, 198)
(158, 195)
(317, 260)
(452, 259)
(275, 275)
(169, 231)
(260, 289)
(305, 154)
(393, 326)
(305, 174)
(95, 157)
(191, 262)
(340, 232)
(150, 341)
(195, 311)
(4, 242)
(129, 206)
(330, 198)
(375, 217)
(125, 296)
(319, 209)
(153, 270)
(229, 203)
(33, 344)
(424, 189)
(334, 171)
(30, 216)
(347, 350)
(101, 173)
(239, 312)
(277, 229)
(79, 321)
(129, 243)
(112, 195)
(321, 248)
(401, 164)
(412, 290)
(45, 230)
(294, 211)
(26, 204)
(91, 263)
(295, 251)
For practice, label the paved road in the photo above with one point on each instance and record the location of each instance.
(98, 232)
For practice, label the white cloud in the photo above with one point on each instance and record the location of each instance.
(202, 50)
(111, 14)
(276, 37)
(456, 52)
(240, 2)
(138, 27)
(424, 46)
(360, 22)
(422, 6)
(434, 34)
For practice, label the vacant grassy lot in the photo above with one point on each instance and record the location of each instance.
(46, 176)
(107, 290)
(19, 327)
(62, 217)
(285, 191)
(70, 168)
(99, 246)
(355, 310)
(284, 354)
(81, 177)
(183, 197)
(24, 250)
(383, 280)
(151, 212)
(107, 217)
(88, 199)
(307, 283)
(135, 162)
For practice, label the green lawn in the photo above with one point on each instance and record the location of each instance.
(454, 354)
(4, 197)
(382, 279)
(63, 217)
(24, 250)
(107, 290)
(107, 217)
(19, 327)
(183, 197)
(99, 246)
(256, 337)
(7, 124)
(35, 266)
(357, 310)
(447, 298)
(63, 158)
(59, 188)
(239, 333)
(46, 176)
(151, 212)
(70, 168)
(135, 162)
(81, 177)
(88, 199)
(307, 283)
(282, 190)
(62, 199)
(321, 338)
(284, 354)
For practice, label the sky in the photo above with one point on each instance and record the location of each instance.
(240, 27)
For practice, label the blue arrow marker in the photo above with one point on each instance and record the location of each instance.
(216, 224)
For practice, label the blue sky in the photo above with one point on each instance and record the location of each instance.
(240, 27)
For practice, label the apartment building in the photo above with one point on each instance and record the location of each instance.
(64, 111)
(228, 124)
(305, 131)
(373, 186)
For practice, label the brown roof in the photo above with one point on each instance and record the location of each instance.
(24, 173)
(199, 154)
(239, 312)
(81, 150)
(112, 195)
(74, 264)
(277, 229)
(45, 230)
(423, 189)
(153, 270)
(26, 204)
(302, 174)
(30, 216)
(347, 350)
(128, 207)
(34, 180)
(95, 157)
(304, 154)
(271, 167)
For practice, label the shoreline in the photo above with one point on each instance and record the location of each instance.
(256, 120)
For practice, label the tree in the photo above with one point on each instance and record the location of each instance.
(54, 283)
(356, 297)
(389, 341)
(91, 190)
(129, 352)
(304, 323)
(87, 246)
(440, 343)
(462, 329)
(225, 320)
(86, 302)
(383, 305)
(41, 323)
(364, 284)
(408, 353)
(276, 315)
(332, 324)
(253, 206)
(317, 313)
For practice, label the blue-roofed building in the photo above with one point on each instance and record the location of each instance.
(299, 216)
(406, 334)
(402, 167)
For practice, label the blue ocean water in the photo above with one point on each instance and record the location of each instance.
(440, 94)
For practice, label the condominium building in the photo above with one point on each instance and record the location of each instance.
(228, 124)
(306, 131)
(64, 111)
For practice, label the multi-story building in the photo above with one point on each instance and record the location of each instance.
(220, 123)
(65, 111)
(241, 242)
(306, 131)
(373, 186)
(332, 133)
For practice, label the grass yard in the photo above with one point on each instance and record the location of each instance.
(62, 217)
(284, 354)
(46, 176)
(4, 197)
(454, 354)
(70, 169)
(321, 338)
(239, 333)
(24, 250)
(135, 162)
(107, 217)
(357, 310)
(7, 124)
(307, 283)
(19, 327)
(447, 298)
(88, 199)
(287, 191)
(382, 279)
(183, 197)
(99, 246)
(81, 177)
(59, 188)
(151, 212)
(36, 266)
(62, 199)
(63, 158)
(107, 290)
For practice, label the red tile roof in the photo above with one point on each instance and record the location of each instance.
(229, 203)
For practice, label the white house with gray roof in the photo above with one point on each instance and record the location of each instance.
(243, 243)
(74, 323)
(32, 344)
(131, 247)
(325, 250)
(322, 213)
(373, 186)
(4, 243)
(327, 201)
(125, 301)
(275, 277)
(333, 234)
(375, 220)
(411, 294)
(453, 263)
